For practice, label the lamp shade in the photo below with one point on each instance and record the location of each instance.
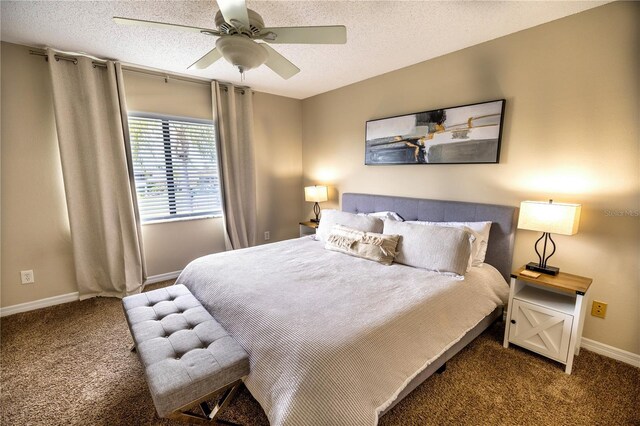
(316, 193)
(555, 218)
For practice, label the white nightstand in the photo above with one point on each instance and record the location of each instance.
(308, 228)
(546, 314)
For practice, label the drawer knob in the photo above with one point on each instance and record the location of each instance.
(513, 321)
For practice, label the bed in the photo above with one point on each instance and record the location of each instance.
(335, 339)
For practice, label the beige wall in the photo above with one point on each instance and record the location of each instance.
(570, 133)
(278, 136)
(169, 246)
(35, 228)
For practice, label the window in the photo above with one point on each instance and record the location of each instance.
(175, 167)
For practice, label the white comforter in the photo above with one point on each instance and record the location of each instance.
(333, 339)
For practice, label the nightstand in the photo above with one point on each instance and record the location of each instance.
(308, 228)
(546, 314)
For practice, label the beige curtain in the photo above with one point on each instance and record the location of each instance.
(233, 112)
(89, 109)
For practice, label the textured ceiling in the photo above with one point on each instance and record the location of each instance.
(382, 35)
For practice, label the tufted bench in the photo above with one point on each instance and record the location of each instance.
(187, 356)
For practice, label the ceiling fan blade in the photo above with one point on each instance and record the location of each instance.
(139, 22)
(334, 34)
(234, 10)
(279, 64)
(206, 61)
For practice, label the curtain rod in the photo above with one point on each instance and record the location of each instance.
(165, 75)
(60, 57)
(168, 75)
(132, 68)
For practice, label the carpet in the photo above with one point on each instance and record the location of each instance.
(71, 364)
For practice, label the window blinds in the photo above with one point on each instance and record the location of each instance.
(175, 167)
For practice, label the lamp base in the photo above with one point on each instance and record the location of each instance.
(549, 270)
(316, 210)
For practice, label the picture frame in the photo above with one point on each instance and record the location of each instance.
(466, 134)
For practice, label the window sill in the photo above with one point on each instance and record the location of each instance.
(181, 219)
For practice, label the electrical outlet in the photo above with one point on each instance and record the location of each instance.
(267, 236)
(599, 309)
(27, 277)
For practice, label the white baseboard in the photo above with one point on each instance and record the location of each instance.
(611, 352)
(70, 297)
(38, 304)
(162, 277)
(588, 344)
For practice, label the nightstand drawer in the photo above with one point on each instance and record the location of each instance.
(540, 329)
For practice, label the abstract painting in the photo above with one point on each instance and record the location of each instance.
(458, 135)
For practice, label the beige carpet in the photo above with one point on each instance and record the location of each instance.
(71, 364)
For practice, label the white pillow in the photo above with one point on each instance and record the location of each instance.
(329, 218)
(384, 215)
(436, 248)
(474, 238)
(481, 232)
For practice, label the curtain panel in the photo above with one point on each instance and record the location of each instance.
(89, 110)
(233, 112)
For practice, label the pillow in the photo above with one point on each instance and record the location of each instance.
(351, 220)
(474, 240)
(436, 248)
(481, 231)
(367, 245)
(384, 215)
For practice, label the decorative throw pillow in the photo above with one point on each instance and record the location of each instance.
(436, 248)
(329, 218)
(367, 245)
(481, 231)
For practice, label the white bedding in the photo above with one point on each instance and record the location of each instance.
(332, 339)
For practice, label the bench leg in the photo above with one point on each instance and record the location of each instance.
(209, 415)
(223, 402)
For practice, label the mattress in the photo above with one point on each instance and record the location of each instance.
(333, 339)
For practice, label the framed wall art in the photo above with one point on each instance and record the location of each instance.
(463, 134)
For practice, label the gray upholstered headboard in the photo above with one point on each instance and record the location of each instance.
(501, 238)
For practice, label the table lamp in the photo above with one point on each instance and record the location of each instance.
(548, 218)
(316, 193)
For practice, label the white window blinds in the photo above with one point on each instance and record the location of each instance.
(175, 166)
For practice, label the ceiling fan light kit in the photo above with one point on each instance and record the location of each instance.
(241, 52)
(238, 27)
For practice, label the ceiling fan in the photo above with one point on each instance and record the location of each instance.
(237, 28)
